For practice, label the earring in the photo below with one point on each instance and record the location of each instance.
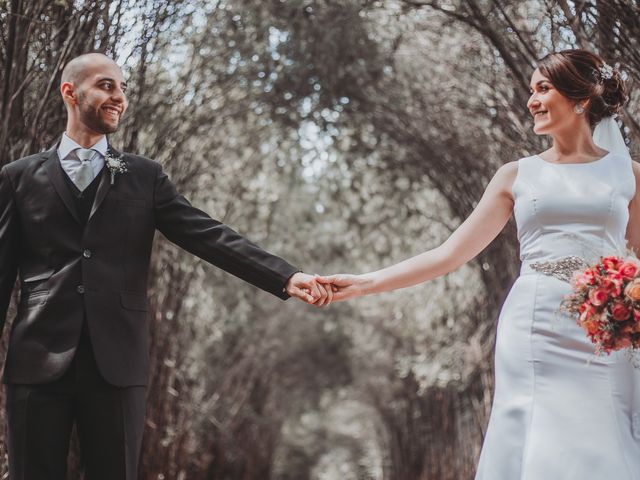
(579, 109)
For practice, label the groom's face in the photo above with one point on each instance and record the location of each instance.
(101, 96)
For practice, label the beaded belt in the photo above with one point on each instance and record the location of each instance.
(562, 269)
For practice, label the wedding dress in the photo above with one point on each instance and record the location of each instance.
(559, 412)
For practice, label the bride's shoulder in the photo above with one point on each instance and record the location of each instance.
(509, 166)
(505, 177)
(508, 171)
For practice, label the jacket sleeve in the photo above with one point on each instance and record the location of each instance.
(8, 244)
(195, 231)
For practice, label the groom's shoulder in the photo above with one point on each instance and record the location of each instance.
(26, 163)
(140, 161)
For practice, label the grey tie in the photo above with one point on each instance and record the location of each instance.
(84, 175)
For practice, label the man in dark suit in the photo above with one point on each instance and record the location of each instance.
(77, 224)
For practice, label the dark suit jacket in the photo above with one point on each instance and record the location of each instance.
(68, 270)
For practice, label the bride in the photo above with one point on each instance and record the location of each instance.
(558, 411)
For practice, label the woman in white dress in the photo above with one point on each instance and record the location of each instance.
(559, 412)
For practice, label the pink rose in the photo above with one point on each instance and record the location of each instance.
(620, 312)
(628, 270)
(597, 296)
(611, 264)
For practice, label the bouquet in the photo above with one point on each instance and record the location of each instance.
(606, 299)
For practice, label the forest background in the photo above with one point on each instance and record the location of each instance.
(342, 135)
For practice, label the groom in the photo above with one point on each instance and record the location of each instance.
(77, 224)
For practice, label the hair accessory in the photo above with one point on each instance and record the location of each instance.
(606, 71)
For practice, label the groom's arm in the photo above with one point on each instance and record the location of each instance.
(199, 234)
(8, 244)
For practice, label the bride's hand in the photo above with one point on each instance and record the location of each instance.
(345, 286)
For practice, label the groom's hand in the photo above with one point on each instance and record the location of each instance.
(305, 287)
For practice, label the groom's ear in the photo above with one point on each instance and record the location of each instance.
(68, 91)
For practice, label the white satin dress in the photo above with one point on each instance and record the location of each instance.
(559, 412)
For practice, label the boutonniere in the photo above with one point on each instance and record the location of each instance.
(115, 164)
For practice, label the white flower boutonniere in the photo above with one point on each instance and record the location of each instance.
(115, 164)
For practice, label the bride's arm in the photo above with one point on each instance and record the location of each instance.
(476, 232)
(633, 227)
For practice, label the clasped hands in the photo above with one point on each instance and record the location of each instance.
(321, 291)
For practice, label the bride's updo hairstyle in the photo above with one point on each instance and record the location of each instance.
(580, 75)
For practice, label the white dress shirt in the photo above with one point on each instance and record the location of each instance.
(71, 163)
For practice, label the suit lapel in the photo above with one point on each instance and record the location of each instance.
(55, 173)
(103, 188)
(105, 183)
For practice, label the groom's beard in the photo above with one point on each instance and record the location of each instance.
(92, 119)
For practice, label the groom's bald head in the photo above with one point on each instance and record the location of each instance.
(77, 70)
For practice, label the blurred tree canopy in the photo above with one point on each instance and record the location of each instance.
(343, 135)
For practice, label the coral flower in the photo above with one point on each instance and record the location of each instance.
(628, 270)
(611, 264)
(590, 276)
(623, 342)
(598, 296)
(587, 311)
(620, 312)
(632, 291)
(591, 327)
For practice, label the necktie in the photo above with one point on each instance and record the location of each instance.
(84, 175)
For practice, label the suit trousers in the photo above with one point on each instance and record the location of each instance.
(109, 421)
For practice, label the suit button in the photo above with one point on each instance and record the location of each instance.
(86, 253)
(80, 289)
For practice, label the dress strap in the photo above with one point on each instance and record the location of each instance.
(523, 177)
(623, 166)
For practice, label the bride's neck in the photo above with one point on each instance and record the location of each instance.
(575, 141)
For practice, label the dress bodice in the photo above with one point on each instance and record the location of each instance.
(572, 209)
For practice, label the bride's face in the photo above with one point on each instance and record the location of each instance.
(551, 110)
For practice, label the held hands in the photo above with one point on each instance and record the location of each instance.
(321, 291)
(305, 287)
